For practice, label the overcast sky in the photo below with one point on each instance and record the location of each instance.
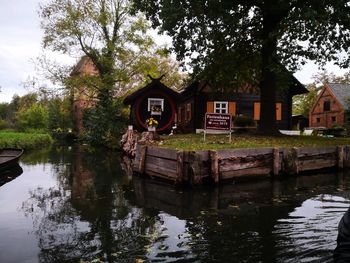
(20, 42)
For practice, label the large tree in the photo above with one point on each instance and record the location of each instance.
(235, 41)
(117, 42)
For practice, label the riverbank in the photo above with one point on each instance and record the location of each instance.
(196, 167)
(23, 140)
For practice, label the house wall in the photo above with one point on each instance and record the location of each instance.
(244, 103)
(140, 113)
(319, 117)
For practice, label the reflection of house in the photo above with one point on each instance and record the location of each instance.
(199, 98)
(154, 100)
(330, 106)
(83, 97)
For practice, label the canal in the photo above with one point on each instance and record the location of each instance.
(75, 204)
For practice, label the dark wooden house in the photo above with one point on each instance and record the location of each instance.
(199, 98)
(154, 100)
(330, 106)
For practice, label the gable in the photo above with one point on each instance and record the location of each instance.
(326, 102)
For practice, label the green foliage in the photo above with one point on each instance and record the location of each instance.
(233, 42)
(36, 117)
(4, 124)
(118, 45)
(24, 140)
(59, 114)
(303, 103)
(114, 122)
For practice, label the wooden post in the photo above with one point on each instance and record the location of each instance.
(179, 166)
(276, 161)
(290, 160)
(347, 156)
(214, 165)
(340, 155)
(143, 151)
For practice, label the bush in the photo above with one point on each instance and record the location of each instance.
(244, 121)
(36, 117)
(24, 140)
(4, 124)
(337, 131)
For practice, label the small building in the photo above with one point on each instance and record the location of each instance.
(154, 100)
(199, 98)
(330, 106)
(82, 96)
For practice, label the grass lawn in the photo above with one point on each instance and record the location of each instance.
(24, 140)
(195, 141)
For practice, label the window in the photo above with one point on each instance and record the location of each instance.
(334, 118)
(318, 120)
(155, 106)
(220, 106)
(326, 105)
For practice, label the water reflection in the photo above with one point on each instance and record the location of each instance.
(8, 175)
(90, 209)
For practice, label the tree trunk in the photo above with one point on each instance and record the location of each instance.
(267, 124)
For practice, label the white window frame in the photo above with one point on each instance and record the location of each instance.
(218, 106)
(155, 99)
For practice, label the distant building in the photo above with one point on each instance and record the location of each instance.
(330, 106)
(82, 97)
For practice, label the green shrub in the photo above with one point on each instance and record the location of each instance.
(24, 140)
(244, 121)
(4, 124)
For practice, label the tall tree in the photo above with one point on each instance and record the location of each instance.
(235, 41)
(104, 31)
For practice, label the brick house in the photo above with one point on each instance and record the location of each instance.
(330, 106)
(82, 97)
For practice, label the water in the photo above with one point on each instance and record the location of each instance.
(79, 205)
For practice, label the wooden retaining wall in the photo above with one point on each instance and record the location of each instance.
(195, 166)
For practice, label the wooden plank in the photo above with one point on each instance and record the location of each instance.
(316, 150)
(225, 154)
(160, 171)
(214, 165)
(180, 166)
(307, 165)
(245, 172)
(160, 162)
(162, 152)
(246, 163)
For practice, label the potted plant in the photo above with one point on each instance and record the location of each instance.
(151, 124)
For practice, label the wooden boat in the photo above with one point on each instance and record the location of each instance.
(9, 158)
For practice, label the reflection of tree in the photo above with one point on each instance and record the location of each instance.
(87, 216)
